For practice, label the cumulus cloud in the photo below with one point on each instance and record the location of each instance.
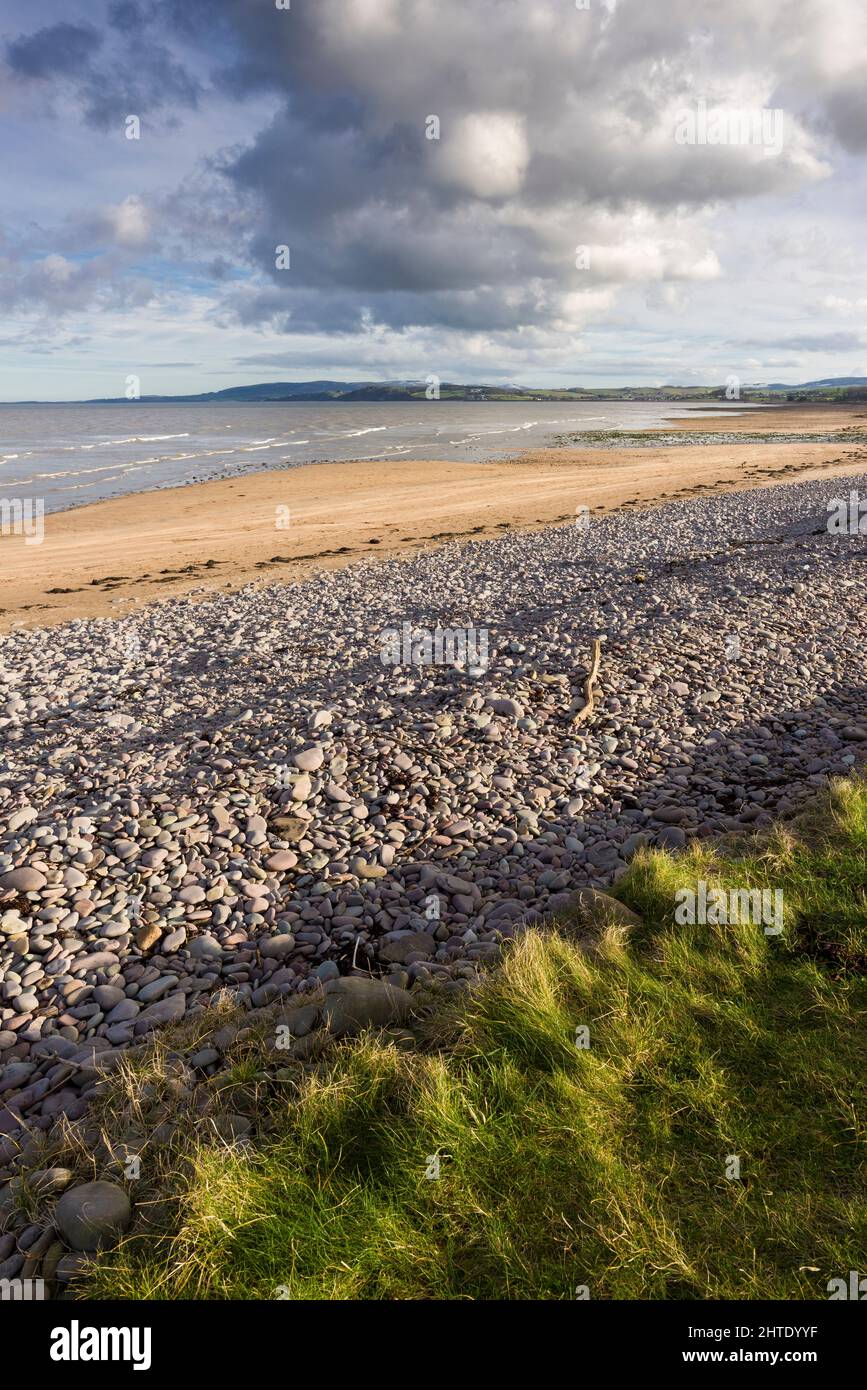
(554, 127)
(556, 192)
(129, 222)
(485, 154)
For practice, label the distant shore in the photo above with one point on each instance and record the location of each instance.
(109, 558)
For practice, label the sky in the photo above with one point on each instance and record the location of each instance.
(204, 193)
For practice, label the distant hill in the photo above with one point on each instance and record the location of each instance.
(264, 391)
(817, 385)
(830, 389)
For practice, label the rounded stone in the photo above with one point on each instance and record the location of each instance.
(23, 880)
(309, 759)
(147, 936)
(106, 996)
(50, 1181)
(92, 1216)
(302, 788)
(275, 946)
(282, 859)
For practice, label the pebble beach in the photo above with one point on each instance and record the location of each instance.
(243, 797)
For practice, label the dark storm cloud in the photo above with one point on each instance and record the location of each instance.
(113, 73)
(60, 50)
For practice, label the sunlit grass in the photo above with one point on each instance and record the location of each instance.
(563, 1167)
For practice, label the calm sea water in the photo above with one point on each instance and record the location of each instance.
(67, 455)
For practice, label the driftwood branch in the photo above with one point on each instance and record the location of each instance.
(585, 710)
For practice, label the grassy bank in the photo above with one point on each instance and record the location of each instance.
(562, 1167)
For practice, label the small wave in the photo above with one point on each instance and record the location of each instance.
(64, 473)
(260, 448)
(137, 439)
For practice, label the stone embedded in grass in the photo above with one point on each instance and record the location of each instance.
(600, 909)
(92, 1216)
(302, 1021)
(47, 1182)
(205, 1058)
(67, 1267)
(354, 1003)
(105, 1061)
(310, 1046)
(232, 1127)
(290, 1024)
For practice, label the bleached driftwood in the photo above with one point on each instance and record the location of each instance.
(584, 711)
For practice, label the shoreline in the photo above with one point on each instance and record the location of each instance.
(107, 559)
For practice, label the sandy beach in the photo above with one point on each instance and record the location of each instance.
(113, 557)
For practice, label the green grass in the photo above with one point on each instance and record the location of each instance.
(562, 1166)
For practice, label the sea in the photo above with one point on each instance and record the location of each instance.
(70, 454)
